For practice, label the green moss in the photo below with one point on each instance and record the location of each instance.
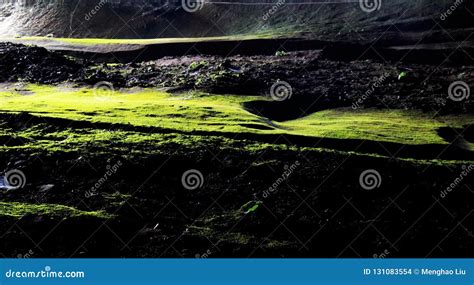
(176, 119)
(18, 210)
(198, 64)
(235, 238)
(397, 126)
(40, 139)
(250, 207)
(97, 41)
(115, 199)
(281, 53)
(188, 112)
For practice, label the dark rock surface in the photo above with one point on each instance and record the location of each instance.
(414, 20)
(35, 64)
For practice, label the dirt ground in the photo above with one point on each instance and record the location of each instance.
(319, 211)
(341, 80)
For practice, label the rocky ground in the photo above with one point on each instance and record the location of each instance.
(244, 208)
(362, 83)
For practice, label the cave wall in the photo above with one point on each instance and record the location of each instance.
(166, 18)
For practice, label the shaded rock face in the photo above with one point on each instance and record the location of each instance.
(167, 18)
(80, 18)
(115, 3)
(35, 64)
